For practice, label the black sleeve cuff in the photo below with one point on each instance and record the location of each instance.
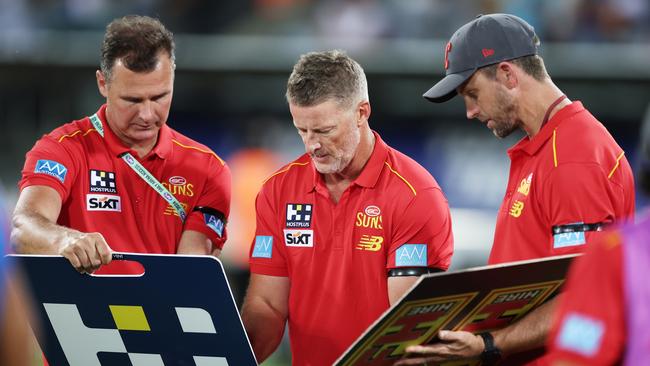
(412, 271)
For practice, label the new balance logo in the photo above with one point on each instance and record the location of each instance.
(370, 242)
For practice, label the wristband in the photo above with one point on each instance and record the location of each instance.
(491, 354)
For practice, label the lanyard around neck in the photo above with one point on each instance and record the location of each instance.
(550, 108)
(135, 165)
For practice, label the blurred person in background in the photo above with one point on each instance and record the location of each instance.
(569, 180)
(603, 318)
(344, 230)
(15, 336)
(121, 179)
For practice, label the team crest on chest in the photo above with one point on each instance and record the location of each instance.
(299, 215)
(519, 202)
(370, 217)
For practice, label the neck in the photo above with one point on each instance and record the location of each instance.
(141, 147)
(536, 104)
(354, 169)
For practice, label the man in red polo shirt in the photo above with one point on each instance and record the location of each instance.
(569, 179)
(344, 230)
(602, 319)
(121, 179)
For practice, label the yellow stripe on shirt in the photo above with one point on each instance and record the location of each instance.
(402, 178)
(618, 162)
(199, 149)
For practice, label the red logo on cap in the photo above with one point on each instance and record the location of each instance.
(487, 52)
(447, 49)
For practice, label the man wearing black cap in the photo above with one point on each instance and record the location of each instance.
(568, 180)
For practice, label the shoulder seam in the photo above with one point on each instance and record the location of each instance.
(618, 162)
(61, 138)
(210, 152)
(286, 169)
(402, 178)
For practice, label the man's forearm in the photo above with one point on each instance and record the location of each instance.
(264, 327)
(34, 234)
(528, 333)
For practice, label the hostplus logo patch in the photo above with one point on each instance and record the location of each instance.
(299, 215)
(129, 320)
(101, 181)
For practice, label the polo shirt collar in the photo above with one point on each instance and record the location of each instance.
(531, 146)
(370, 173)
(162, 149)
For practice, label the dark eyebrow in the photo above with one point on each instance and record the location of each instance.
(139, 99)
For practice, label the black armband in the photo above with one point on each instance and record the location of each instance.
(577, 228)
(211, 211)
(412, 271)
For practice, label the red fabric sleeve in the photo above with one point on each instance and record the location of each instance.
(267, 252)
(574, 193)
(215, 195)
(589, 324)
(425, 221)
(48, 149)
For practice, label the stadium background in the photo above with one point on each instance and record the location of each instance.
(233, 59)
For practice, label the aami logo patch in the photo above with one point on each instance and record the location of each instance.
(299, 238)
(102, 202)
(299, 215)
(52, 168)
(101, 181)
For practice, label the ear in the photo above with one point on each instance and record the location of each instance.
(364, 112)
(102, 85)
(508, 75)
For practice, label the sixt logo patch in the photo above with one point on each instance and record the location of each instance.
(411, 255)
(214, 223)
(263, 247)
(299, 238)
(299, 215)
(102, 202)
(101, 181)
(52, 168)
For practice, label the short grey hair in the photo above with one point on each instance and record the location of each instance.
(320, 76)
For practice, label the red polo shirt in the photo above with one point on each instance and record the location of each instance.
(590, 322)
(101, 193)
(337, 255)
(571, 172)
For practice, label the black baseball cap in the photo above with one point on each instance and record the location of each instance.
(486, 40)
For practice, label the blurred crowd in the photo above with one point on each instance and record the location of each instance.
(554, 20)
